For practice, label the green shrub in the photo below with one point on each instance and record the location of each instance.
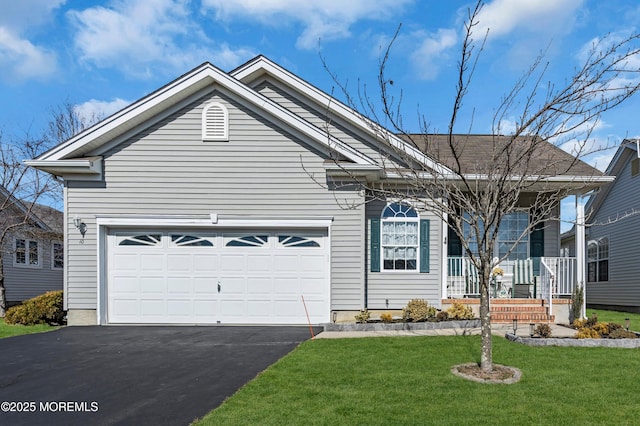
(543, 330)
(363, 316)
(386, 317)
(442, 316)
(577, 300)
(458, 311)
(417, 310)
(43, 309)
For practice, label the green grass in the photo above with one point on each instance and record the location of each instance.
(8, 330)
(616, 316)
(407, 380)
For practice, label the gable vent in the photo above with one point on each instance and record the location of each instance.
(215, 122)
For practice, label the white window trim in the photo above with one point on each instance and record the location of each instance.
(53, 257)
(28, 263)
(417, 246)
(599, 259)
(206, 136)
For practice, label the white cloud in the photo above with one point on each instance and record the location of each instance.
(326, 20)
(144, 37)
(504, 17)
(433, 51)
(93, 109)
(20, 15)
(21, 60)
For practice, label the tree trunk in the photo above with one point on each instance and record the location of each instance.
(486, 355)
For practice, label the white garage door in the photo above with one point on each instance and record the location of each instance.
(194, 277)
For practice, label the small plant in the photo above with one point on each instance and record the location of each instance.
(587, 333)
(442, 316)
(593, 320)
(386, 317)
(601, 328)
(579, 323)
(417, 310)
(363, 316)
(543, 330)
(577, 300)
(458, 311)
(621, 333)
(43, 309)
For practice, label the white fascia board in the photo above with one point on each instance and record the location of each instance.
(224, 80)
(91, 166)
(338, 108)
(482, 177)
(208, 222)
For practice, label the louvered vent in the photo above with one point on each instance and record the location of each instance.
(215, 123)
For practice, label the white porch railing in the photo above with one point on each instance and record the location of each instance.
(462, 280)
(557, 278)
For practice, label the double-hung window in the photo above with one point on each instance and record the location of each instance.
(400, 235)
(512, 239)
(598, 260)
(27, 253)
(399, 240)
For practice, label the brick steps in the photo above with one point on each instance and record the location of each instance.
(527, 311)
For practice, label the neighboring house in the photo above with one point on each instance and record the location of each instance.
(222, 198)
(613, 232)
(33, 254)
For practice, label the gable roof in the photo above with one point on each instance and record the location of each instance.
(627, 150)
(69, 156)
(45, 217)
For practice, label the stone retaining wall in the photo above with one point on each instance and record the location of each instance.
(586, 343)
(402, 326)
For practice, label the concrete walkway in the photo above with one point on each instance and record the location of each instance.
(496, 329)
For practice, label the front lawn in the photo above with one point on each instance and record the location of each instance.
(8, 330)
(407, 380)
(616, 316)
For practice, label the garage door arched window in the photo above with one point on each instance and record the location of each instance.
(399, 240)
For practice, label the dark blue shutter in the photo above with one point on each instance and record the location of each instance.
(536, 247)
(375, 245)
(424, 245)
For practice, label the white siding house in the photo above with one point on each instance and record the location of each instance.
(232, 198)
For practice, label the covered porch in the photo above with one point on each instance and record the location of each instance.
(544, 281)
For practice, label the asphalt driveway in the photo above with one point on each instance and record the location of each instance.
(132, 375)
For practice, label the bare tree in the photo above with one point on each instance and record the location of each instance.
(26, 193)
(473, 185)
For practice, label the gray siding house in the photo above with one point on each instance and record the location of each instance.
(33, 252)
(613, 270)
(222, 198)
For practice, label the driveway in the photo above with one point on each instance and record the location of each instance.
(133, 375)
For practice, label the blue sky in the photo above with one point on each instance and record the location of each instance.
(102, 55)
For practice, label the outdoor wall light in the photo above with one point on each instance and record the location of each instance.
(80, 225)
(532, 329)
(515, 325)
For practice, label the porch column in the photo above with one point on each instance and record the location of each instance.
(444, 256)
(581, 248)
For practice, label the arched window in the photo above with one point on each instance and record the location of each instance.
(400, 235)
(215, 122)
